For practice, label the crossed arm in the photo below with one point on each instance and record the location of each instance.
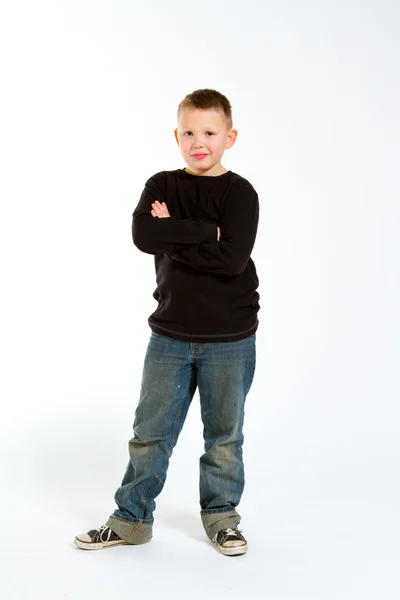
(160, 210)
(205, 246)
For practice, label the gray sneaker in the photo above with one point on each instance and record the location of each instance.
(230, 542)
(97, 539)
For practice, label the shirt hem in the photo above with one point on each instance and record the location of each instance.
(191, 337)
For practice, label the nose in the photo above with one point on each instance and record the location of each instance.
(196, 142)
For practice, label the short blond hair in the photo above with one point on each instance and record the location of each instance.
(206, 99)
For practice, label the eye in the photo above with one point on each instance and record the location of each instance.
(210, 132)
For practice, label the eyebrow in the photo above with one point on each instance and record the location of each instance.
(205, 128)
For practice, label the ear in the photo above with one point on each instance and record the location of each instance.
(176, 135)
(231, 138)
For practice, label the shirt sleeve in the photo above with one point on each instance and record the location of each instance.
(154, 235)
(238, 224)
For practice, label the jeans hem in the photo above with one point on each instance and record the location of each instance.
(216, 519)
(211, 511)
(135, 531)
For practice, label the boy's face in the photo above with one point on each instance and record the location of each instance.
(203, 132)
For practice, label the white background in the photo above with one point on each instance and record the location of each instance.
(89, 94)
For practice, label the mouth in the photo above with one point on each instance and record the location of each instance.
(199, 155)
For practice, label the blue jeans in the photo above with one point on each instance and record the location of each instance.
(223, 372)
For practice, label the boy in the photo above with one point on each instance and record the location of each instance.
(200, 223)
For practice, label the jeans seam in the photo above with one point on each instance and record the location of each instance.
(217, 510)
(146, 489)
(134, 521)
(251, 377)
(176, 424)
(170, 449)
(206, 430)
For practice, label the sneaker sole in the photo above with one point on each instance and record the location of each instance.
(99, 545)
(233, 550)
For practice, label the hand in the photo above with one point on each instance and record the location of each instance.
(218, 233)
(160, 210)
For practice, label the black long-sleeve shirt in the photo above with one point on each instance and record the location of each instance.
(206, 288)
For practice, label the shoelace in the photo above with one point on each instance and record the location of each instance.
(100, 531)
(228, 531)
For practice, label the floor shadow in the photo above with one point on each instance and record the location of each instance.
(182, 520)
